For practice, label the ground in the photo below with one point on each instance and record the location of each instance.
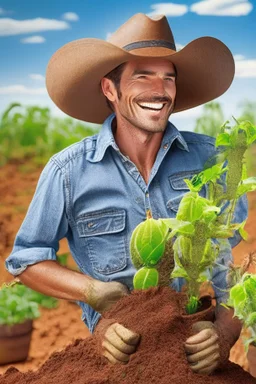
(58, 327)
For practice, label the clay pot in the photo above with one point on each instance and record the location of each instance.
(251, 356)
(15, 341)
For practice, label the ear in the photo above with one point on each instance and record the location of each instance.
(108, 89)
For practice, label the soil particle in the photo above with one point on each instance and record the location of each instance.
(160, 359)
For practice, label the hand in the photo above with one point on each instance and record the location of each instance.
(202, 349)
(117, 342)
(101, 296)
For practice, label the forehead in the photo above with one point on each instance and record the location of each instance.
(149, 64)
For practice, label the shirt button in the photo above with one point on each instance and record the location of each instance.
(165, 146)
(147, 194)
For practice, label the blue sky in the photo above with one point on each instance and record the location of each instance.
(30, 32)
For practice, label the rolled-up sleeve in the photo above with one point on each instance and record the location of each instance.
(44, 225)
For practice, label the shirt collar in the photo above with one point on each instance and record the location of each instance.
(106, 138)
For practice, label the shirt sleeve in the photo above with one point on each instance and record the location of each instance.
(44, 225)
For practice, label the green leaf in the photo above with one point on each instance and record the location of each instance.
(251, 320)
(223, 139)
(179, 226)
(195, 184)
(237, 295)
(192, 207)
(145, 278)
(247, 185)
(220, 231)
(243, 233)
(192, 305)
(250, 130)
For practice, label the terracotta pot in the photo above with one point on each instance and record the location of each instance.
(15, 342)
(251, 356)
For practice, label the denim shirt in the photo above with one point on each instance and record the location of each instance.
(94, 196)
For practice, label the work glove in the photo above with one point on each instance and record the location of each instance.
(101, 296)
(203, 348)
(116, 342)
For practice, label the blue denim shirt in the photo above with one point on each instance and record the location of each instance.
(94, 196)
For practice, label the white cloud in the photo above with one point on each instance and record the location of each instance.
(222, 7)
(239, 57)
(21, 90)
(168, 9)
(36, 76)
(33, 40)
(246, 68)
(10, 27)
(70, 16)
(179, 46)
(109, 34)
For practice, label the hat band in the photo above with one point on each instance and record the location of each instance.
(150, 43)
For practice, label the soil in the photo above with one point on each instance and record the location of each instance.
(57, 328)
(156, 315)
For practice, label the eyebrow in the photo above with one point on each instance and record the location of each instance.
(145, 72)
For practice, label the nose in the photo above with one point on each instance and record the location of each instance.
(158, 85)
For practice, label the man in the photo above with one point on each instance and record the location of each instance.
(96, 191)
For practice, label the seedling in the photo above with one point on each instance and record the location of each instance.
(19, 303)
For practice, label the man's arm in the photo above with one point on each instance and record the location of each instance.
(48, 277)
(52, 279)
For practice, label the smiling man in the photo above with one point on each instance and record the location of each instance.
(97, 191)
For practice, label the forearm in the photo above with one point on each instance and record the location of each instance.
(228, 330)
(50, 278)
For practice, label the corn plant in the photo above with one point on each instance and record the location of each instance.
(31, 132)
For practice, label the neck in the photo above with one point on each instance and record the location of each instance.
(140, 146)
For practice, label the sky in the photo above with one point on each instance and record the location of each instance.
(30, 33)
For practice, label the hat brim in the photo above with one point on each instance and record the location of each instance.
(205, 70)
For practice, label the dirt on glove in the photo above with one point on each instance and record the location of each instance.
(158, 315)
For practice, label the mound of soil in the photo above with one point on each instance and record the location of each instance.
(160, 359)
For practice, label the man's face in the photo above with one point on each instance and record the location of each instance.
(147, 94)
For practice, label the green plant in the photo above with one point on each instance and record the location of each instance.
(211, 118)
(19, 303)
(243, 299)
(31, 132)
(201, 225)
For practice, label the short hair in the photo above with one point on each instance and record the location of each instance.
(115, 77)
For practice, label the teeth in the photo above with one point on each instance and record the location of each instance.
(156, 106)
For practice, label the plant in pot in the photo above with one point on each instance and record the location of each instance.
(202, 225)
(19, 306)
(188, 246)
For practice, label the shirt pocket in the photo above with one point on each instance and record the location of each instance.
(104, 234)
(179, 188)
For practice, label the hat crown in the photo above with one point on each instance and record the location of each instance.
(142, 28)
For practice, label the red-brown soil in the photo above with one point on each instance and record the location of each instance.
(59, 327)
(160, 359)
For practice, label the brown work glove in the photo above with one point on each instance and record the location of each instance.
(203, 348)
(101, 296)
(116, 342)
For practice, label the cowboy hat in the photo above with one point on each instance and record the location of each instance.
(205, 67)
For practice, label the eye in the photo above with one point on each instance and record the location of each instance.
(170, 79)
(141, 77)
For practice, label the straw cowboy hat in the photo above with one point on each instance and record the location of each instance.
(205, 67)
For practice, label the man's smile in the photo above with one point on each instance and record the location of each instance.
(152, 106)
